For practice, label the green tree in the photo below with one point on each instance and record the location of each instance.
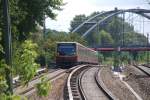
(133, 38)
(24, 61)
(27, 14)
(43, 87)
(113, 26)
(100, 57)
(125, 57)
(77, 20)
(76, 38)
(105, 38)
(3, 85)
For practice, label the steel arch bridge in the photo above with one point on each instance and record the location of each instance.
(108, 15)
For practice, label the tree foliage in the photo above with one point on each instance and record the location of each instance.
(77, 20)
(133, 38)
(26, 15)
(113, 26)
(125, 57)
(24, 61)
(100, 57)
(1, 48)
(105, 38)
(11, 97)
(3, 85)
(43, 87)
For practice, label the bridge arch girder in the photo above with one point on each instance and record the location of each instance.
(136, 11)
(110, 14)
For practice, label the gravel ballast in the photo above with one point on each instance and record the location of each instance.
(138, 81)
(115, 85)
(56, 93)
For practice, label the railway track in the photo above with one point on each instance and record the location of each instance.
(71, 90)
(27, 90)
(89, 86)
(16, 81)
(146, 65)
(83, 84)
(145, 70)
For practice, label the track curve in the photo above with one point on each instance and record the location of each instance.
(90, 87)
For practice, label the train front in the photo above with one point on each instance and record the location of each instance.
(66, 54)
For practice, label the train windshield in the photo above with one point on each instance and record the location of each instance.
(66, 50)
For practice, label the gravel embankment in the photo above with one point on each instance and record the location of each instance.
(114, 84)
(138, 81)
(56, 93)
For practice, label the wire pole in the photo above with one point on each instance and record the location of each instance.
(7, 45)
(123, 29)
(44, 36)
(147, 50)
(117, 45)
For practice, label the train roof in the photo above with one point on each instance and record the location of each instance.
(67, 42)
(78, 44)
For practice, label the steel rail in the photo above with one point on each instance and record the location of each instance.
(24, 90)
(72, 83)
(82, 93)
(147, 73)
(15, 85)
(103, 87)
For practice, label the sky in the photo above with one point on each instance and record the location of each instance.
(77, 7)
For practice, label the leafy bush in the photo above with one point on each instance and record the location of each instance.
(100, 57)
(24, 61)
(3, 85)
(43, 87)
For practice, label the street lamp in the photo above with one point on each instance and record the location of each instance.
(7, 46)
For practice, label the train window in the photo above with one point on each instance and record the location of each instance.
(66, 50)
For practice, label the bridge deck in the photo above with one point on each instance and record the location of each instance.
(123, 49)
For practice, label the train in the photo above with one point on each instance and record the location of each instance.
(73, 53)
